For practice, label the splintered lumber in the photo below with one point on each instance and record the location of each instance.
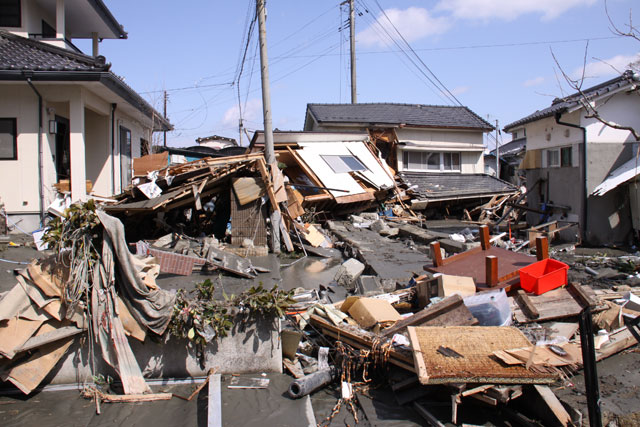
(428, 416)
(526, 305)
(214, 411)
(476, 344)
(131, 398)
(450, 311)
(27, 375)
(619, 340)
(555, 304)
(248, 189)
(47, 336)
(132, 380)
(358, 338)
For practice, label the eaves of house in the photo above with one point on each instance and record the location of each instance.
(22, 59)
(626, 81)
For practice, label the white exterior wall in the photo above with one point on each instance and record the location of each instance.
(623, 109)
(20, 193)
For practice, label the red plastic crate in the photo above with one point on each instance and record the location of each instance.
(543, 276)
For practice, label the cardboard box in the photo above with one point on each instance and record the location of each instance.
(370, 311)
(462, 285)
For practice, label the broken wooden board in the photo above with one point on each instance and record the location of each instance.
(555, 304)
(13, 302)
(552, 410)
(48, 334)
(27, 375)
(14, 333)
(476, 344)
(131, 326)
(40, 273)
(450, 311)
(247, 189)
(132, 380)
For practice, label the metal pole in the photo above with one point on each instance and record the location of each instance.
(497, 152)
(269, 154)
(352, 33)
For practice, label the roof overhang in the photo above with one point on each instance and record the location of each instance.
(84, 17)
(106, 79)
(619, 176)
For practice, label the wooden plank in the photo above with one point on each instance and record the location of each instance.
(552, 305)
(581, 296)
(491, 270)
(362, 197)
(267, 181)
(430, 316)
(554, 406)
(248, 189)
(307, 171)
(436, 254)
(49, 284)
(527, 306)
(131, 398)
(618, 341)
(542, 248)
(484, 237)
(132, 380)
(214, 410)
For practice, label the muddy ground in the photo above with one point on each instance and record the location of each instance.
(619, 375)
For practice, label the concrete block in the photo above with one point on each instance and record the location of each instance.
(348, 272)
(368, 286)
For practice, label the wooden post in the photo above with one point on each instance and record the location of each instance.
(542, 248)
(491, 267)
(436, 255)
(484, 237)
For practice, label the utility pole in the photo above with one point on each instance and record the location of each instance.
(269, 154)
(352, 34)
(165, 116)
(497, 151)
(240, 132)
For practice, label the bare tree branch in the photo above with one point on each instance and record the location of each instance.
(633, 32)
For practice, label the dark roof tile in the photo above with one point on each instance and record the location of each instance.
(397, 114)
(447, 186)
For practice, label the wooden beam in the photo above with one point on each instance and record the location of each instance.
(542, 248)
(436, 255)
(491, 270)
(484, 237)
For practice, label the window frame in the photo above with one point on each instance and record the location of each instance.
(426, 155)
(14, 124)
(557, 153)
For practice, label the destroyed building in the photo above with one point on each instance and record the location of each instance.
(437, 151)
(572, 161)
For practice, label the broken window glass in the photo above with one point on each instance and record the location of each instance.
(345, 163)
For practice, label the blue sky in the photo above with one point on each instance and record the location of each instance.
(494, 56)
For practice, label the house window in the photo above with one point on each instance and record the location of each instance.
(10, 13)
(48, 32)
(342, 164)
(8, 139)
(125, 157)
(559, 157)
(432, 161)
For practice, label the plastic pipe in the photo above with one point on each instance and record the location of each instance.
(310, 383)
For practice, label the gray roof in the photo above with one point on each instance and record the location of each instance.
(512, 147)
(22, 58)
(19, 53)
(561, 105)
(446, 186)
(398, 114)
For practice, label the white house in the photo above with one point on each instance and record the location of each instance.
(569, 154)
(438, 150)
(63, 114)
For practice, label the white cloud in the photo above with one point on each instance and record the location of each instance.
(533, 82)
(606, 67)
(508, 10)
(251, 112)
(460, 90)
(413, 23)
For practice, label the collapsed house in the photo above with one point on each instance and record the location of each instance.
(437, 151)
(570, 153)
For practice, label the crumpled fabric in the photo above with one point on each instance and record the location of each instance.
(151, 307)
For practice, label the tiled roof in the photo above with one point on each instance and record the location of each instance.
(446, 186)
(511, 147)
(561, 105)
(22, 54)
(19, 55)
(398, 114)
